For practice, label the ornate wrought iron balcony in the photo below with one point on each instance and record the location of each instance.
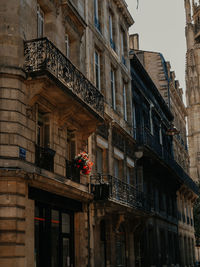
(42, 56)
(72, 172)
(144, 137)
(107, 187)
(44, 158)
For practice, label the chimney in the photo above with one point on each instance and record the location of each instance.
(134, 41)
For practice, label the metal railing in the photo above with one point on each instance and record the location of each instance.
(41, 55)
(144, 137)
(44, 158)
(107, 187)
(72, 172)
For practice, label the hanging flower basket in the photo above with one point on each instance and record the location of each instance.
(83, 163)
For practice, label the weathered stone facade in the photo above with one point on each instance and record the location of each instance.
(65, 87)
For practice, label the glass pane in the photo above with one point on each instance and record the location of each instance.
(54, 238)
(39, 234)
(65, 223)
(99, 160)
(66, 252)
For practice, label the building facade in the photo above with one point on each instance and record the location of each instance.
(66, 86)
(192, 85)
(49, 108)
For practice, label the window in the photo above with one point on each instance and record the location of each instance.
(130, 175)
(112, 44)
(97, 15)
(124, 100)
(116, 168)
(40, 22)
(112, 78)
(123, 47)
(120, 247)
(97, 69)
(43, 130)
(103, 242)
(55, 248)
(134, 121)
(67, 45)
(99, 160)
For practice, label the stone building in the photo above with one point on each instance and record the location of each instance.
(168, 86)
(192, 30)
(48, 109)
(66, 87)
(192, 85)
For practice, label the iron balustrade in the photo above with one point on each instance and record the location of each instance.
(44, 158)
(41, 55)
(107, 187)
(144, 137)
(72, 172)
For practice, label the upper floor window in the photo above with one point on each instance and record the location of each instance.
(111, 33)
(125, 102)
(123, 47)
(97, 69)
(67, 45)
(112, 80)
(40, 22)
(43, 130)
(97, 15)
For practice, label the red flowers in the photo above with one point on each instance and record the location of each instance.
(83, 163)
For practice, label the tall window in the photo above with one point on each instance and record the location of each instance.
(43, 130)
(96, 15)
(112, 79)
(123, 47)
(40, 22)
(112, 44)
(124, 102)
(134, 121)
(67, 45)
(99, 160)
(97, 69)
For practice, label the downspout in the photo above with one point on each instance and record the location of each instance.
(89, 252)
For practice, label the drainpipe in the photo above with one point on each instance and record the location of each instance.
(89, 252)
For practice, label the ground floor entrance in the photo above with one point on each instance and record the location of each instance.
(53, 229)
(53, 237)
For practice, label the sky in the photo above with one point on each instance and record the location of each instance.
(161, 28)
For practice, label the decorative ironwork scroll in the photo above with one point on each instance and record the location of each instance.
(43, 55)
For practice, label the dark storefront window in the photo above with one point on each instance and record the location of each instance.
(53, 237)
(120, 248)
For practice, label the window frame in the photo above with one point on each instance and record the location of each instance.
(97, 69)
(113, 88)
(40, 22)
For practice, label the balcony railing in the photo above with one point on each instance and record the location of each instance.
(107, 187)
(44, 158)
(144, 137)
(72, 172)
(42, 56)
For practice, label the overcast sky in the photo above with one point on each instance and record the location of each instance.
(161, 28)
